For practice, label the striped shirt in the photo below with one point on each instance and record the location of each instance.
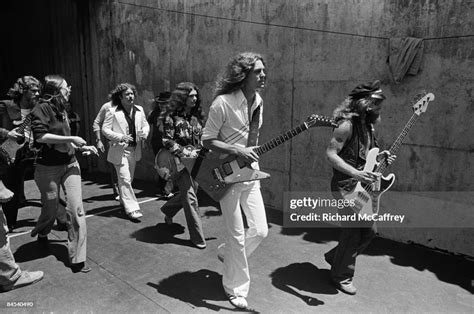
(228, 119)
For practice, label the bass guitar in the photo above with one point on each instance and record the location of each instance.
(367, 196)
(215, 175)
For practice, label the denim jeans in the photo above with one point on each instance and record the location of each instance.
(187, 193)
(241, 243)
(49, 179)
(9, 270)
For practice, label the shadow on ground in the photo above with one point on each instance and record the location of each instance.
(303, 277)
(447, 267)
(32, 251)
(199, 288)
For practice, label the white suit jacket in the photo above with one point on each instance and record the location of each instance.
(115, 126)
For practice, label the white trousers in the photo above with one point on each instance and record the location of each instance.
(125, 173)
(240, 243)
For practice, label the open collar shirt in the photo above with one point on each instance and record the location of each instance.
(228, 119)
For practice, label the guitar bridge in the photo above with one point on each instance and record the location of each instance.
(217, 175)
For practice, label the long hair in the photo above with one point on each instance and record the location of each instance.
(51, 91)
(115, 94)
(352, 107)
(180, 95)
(21, 86)
(236, 72)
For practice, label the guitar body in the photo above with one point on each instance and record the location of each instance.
(216, 175)
(367, 196)
(9, 147)
(8, 150)
(168, 165)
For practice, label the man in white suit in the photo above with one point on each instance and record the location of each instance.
(126, 127)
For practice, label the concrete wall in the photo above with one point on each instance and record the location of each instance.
(313, 62)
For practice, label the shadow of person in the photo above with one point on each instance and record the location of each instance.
(33, 251)
(456, 270)
(199, 288)
(303, 277)
(161, 234)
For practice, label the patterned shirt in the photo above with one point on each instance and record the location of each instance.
(180, 131)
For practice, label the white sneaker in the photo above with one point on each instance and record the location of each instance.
(135, 214)
(26, 278)
(238, 302)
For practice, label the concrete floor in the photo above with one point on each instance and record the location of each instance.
(150, 267)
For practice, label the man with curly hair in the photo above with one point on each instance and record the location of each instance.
(23, 95)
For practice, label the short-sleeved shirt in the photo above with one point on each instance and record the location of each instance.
(228, 119)
(48, 119)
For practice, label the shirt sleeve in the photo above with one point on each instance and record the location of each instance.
(169, 132)
(215, 120)
(42, 114)
(99, 119)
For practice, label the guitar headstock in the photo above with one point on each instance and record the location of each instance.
(315, 120)
(421, 102)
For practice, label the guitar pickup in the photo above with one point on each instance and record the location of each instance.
(227, 169)
(217, 175)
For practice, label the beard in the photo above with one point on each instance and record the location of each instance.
(372, 117)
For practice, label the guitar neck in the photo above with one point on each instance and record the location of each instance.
(277, 141)
(398, 142)
(21, 128)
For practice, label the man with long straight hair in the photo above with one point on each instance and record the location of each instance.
(232, 128)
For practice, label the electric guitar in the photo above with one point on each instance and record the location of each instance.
(215, 174)
(367, 196)
(9, 147)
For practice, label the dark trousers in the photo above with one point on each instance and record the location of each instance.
(187, 188)
(15, 182)
(354, 238)
(352, 242)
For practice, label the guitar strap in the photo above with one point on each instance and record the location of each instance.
(253, 132)
(198, 162)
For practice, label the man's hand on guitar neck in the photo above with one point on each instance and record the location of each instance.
(386, 155)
